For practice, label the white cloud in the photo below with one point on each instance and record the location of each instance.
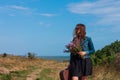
(107, 10)
(18, 7)
(11, 14)
(48, 14)
(15, 7)
(13, 10)
(43, 24)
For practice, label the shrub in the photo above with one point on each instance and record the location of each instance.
(31, 55)
(4, 55)
(106, 54)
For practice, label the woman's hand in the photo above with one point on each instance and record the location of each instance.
(82, 53)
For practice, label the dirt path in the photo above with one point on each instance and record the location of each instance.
(33, 75)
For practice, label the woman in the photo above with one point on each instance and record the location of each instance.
(81, 67)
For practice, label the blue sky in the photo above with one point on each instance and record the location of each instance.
(44, 27)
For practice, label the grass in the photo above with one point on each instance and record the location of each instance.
(44, 75)
(20, 67)
(5, 77)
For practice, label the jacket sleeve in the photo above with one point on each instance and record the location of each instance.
(91, 47)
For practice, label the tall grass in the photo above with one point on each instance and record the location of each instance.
(20, 67)
(5, 77)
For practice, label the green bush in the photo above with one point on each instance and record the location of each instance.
(106, 54)
(4, 55)
(31, 55)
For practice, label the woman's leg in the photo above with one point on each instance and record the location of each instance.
(84, 77)
(75, 78)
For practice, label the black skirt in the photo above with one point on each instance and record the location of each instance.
(80, 67)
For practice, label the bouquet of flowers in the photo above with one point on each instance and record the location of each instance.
(73, 49)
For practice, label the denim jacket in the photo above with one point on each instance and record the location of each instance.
(87, 46)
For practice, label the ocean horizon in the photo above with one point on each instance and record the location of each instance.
(56, 58)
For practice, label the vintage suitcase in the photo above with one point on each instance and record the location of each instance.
(64, 74)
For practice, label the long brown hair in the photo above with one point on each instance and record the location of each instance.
(82, 33)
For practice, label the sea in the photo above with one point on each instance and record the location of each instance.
(56, 58)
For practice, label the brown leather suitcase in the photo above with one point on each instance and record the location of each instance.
(64, 75)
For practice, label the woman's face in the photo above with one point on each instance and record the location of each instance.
(77, 30)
